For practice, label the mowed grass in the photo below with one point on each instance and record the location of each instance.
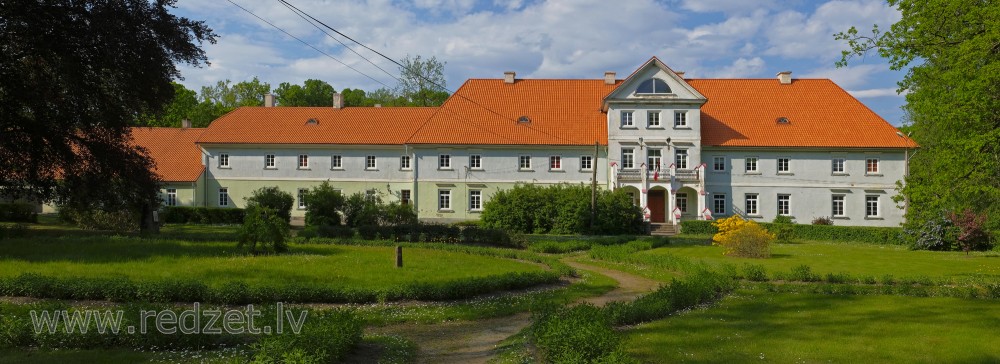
(854, 259)
(810, 328)
(214, 263)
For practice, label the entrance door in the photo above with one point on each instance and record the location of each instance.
(656, 209)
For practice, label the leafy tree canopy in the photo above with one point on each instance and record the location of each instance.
(73, 76)
(952, 49)
(310, 93)
(422, 81)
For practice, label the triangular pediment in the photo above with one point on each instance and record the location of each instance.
(654, 82)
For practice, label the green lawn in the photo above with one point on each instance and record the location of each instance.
(855, 259)
(214, 263)
(809, 328)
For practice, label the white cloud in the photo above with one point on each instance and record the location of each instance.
(876, 92)
(741, 67)
(848, 77)
(796, 35)
(727, 6)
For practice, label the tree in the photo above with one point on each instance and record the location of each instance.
(74, 75)
(263, 231)
(181, 107)
(953, 83)
(355, 97)
(421, 81)
(230, 96)
(323, 204)
(384, 97)
(311, 93)
(273, 198)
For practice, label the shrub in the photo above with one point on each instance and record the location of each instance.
(323, 204)
(359, 210)
(368, 232)
(263, 231)
(122, 221)
(326, 337)
(780, 219)
(335, 231)
(822, 220)
(201, 215)
(396, 213)
(934, 234)
(581, 334)
(754, 272)
(971, 233)
(698, 227)
(13, 231)
(274, 198)
(561, 209)
(18, 212)
(742, 238)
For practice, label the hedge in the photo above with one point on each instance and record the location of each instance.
(857, 234)
(18, 212)
(414, 233)
(202, 215)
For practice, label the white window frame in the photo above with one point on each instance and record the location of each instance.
(878, 168)
(223, 197)
(224, 160)
(300, 197)
(653, 120)
(405, 163)
(337, 162)
(555, 163)
(838, 162)
(787, 167)
(751, 199)
(371, 163)
(371, 194)
(836, 200)
(444, 161)
(719, 164)
(681, 119)
(652, 161)
(868, 206)
(171, 197)
(681, 158)
(682, 201)
(405, 197)
(756, 165)
(628, 163)
(475, 200)
(586, 162)
(627, 119)
(303, 161)
(476, 162)
(270, 161)
(716, 199)
(444, 200)
(787, 202)
(524, 162)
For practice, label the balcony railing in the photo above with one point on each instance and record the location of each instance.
(681, 174)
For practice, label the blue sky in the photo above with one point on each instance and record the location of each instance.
(548, 39)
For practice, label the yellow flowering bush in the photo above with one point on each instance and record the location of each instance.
(742, 238)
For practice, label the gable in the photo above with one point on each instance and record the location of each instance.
(636, 88)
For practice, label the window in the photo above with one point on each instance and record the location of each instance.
(627, 121)
(404, 197)
(555, 163)
(784, 205)
(586, 162)
(370, 162)
(682, 202)
(719, 203)
(783, 165)
(628, 158)
(751, 164)
(224, 196)
(269, 161)
(838, 206)
(444, 199)
(653, 119)
(871, 166)
(303, 161)
(750, 207)
(476, 161)
(444, 161)
(171, 197)
(302, 198)
(371, 195)
(475, 200)
(224, 160)
(653, 86)
(336, 162)
(871, 206)
(719, 164)
(404, 162)
(681, 159)
(654, 158)
(838, 166)
(524, 162)
(680, 119)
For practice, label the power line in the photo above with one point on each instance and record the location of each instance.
(307, 44)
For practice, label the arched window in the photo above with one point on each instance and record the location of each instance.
(653, 86)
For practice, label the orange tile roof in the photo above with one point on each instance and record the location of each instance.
(288, 125)
(177, 157)
(485, 111)
(744, 113)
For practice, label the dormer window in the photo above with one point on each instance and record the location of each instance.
(783, 120)
(653, 86)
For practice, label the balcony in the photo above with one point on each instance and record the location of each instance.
(635, 175)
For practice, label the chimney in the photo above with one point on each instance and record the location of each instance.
(185, 123)
(508, 77)
(680, 74)
(338, 101)
(268, 100)
(785, 77)
(378, 105)
(609, 78)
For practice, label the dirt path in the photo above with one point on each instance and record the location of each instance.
(474, 341)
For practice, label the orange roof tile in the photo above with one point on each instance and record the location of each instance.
(177, 157)
(288, 125)
(744, 113)
(485, 111)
